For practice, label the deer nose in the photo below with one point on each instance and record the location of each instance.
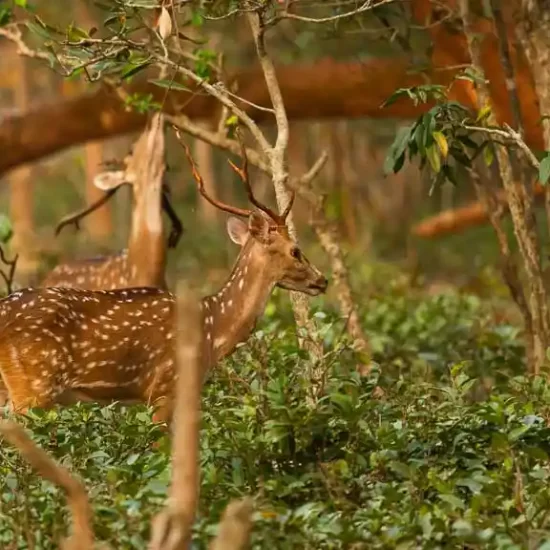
(322, 282)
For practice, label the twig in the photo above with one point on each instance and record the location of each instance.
(368, 5)
(82, 537)
(510, 136)
(12, 33)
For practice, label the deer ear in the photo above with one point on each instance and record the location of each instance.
(258, 226)
(237, 230)
(110, 180)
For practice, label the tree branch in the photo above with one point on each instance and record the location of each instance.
(82, 537)
(366, 6)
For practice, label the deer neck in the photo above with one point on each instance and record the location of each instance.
(230, 315)
(146, 250)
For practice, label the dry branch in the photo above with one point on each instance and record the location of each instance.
(82, 537)
(277, 156)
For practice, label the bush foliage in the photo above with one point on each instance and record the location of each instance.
(424, 463)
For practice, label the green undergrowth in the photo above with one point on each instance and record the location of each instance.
(428, 462)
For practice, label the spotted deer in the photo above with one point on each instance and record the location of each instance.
(143, 262)
(61, 345)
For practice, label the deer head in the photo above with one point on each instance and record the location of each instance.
(265, 239)
(269, 243)
(143, 170)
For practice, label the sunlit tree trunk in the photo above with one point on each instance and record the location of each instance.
(520, 201)
(532, 31)
(21, 187)
(98, 224)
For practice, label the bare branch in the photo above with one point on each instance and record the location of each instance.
(217, 140)
(299, 185)
(311, 174)
(12, 33)
(366, 6)
(219, 91)
(511, 137)
(272, 83)
(82, 537)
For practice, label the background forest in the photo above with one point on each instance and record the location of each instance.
(419, 150)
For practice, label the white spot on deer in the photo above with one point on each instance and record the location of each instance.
(241, 284)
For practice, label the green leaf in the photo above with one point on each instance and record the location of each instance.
(232, 120)
(76, 34)
(6, 228)
(21, 3)
(441, 141)
(484, 113)
(516, 433)
(6, 15)
(38, 30)
(197, 19)
(396, 153)
(454, 501)
(433, 158)
(488, 154)
(544, 169)
(132, 69)
(170, 84)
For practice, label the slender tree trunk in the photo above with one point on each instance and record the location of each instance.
(203, 152)
(521, 209)
(344, 179)
(532, 30)
(329, 238)
(21, 188)
(98, 224)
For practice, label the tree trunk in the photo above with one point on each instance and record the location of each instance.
(21, 188)
(98, 224)
(203, 152)
(521, 209)
(323, 89)
(532, 30)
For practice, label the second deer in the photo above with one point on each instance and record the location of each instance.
(61, 345)
(143, 263)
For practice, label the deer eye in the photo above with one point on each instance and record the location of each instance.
(295, 253)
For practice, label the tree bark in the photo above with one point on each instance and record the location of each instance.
(21, 188)
(520, 205)
(532, 30)
(323, 89)
(98, 224)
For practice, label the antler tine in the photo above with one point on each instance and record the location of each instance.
(289, 206)
(77, 216)
(177, 227)
(243, 174)
(200, 184)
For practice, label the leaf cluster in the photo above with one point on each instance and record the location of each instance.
(425, 465)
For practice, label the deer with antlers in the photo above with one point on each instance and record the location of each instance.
(61, 345)
(143, 262)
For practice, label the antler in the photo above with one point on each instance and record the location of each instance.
(243, 173)
(177, 227)
(77, 216)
